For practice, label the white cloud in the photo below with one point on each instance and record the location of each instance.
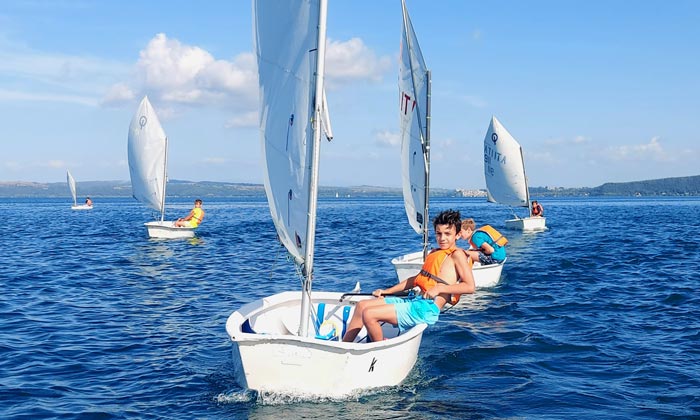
(55, 164)
(387, 138)
(247, 119)
(649, 151)
(121, 92)
(172, 71)
(214, 161)
(352, 60)
(56, 77)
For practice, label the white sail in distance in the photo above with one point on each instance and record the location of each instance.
(71, 185)
(413, 122)
(504, 169)
(147, 150)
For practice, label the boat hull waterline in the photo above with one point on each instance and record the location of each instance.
(527, 224)
(167, 230)
(270, 357)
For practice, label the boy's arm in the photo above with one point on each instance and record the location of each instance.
(399, 287)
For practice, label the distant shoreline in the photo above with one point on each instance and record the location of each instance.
(682, 186)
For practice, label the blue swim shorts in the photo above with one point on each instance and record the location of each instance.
(413, 311)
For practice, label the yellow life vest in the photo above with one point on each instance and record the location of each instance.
(196, 217)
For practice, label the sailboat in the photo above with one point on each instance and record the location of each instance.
(506, 182)
(148, 150)
(414, 114)
(73, 191)
(290, 343)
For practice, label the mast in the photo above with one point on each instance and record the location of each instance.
(313, 179)
(427, 166)
(527, 189)
(165, 181)
(425, 136)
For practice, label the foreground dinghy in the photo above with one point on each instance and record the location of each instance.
(289, 343)
(148, 149)
(414, 120)
(506, 182)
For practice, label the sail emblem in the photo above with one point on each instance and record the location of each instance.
(142, 121)
(494, 137)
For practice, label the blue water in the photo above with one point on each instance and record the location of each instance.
(598, 317)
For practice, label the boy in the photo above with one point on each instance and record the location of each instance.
(445, 275)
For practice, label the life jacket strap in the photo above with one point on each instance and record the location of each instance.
(433, 276)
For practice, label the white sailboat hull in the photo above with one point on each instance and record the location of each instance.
(270, 357)
(484, 275)
(81, 207)
(527, 224)
(168, 230)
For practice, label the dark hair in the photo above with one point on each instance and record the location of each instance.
(448, 217)
(198, 201)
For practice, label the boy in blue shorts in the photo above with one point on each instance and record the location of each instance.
(444, 276)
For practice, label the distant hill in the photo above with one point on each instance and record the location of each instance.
(683, 186)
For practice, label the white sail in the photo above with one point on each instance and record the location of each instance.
(147, 157)
(286, 76)
(414, 84)
(71, 185)
(275, 349)
(504, 169)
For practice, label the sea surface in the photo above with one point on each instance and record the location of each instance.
(598, 317)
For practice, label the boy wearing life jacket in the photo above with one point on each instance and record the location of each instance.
(445, 275)
(537, 209)
(194, 218)
(488, 245)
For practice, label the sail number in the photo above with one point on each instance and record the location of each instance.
(491, 157)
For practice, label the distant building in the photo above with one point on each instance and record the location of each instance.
(470, 193)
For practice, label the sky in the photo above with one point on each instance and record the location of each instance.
(595, 91)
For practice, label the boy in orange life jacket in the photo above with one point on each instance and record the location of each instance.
(445, 273)
(537, 209)
(485, 249)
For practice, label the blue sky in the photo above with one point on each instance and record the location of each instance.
(595, 91)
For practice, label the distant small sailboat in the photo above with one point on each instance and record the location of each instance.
(506, 181)
(73, 191)
(148, 150)
(414, 112)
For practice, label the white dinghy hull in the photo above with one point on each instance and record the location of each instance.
(81, 207)
(527, 224)
(484, 275)
(168, 230)
(270, 357)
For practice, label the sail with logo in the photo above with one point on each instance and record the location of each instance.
(148, 165)
(506, 181)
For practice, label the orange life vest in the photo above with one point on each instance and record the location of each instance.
(495, 236)
(428, 276)
(537, 210)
